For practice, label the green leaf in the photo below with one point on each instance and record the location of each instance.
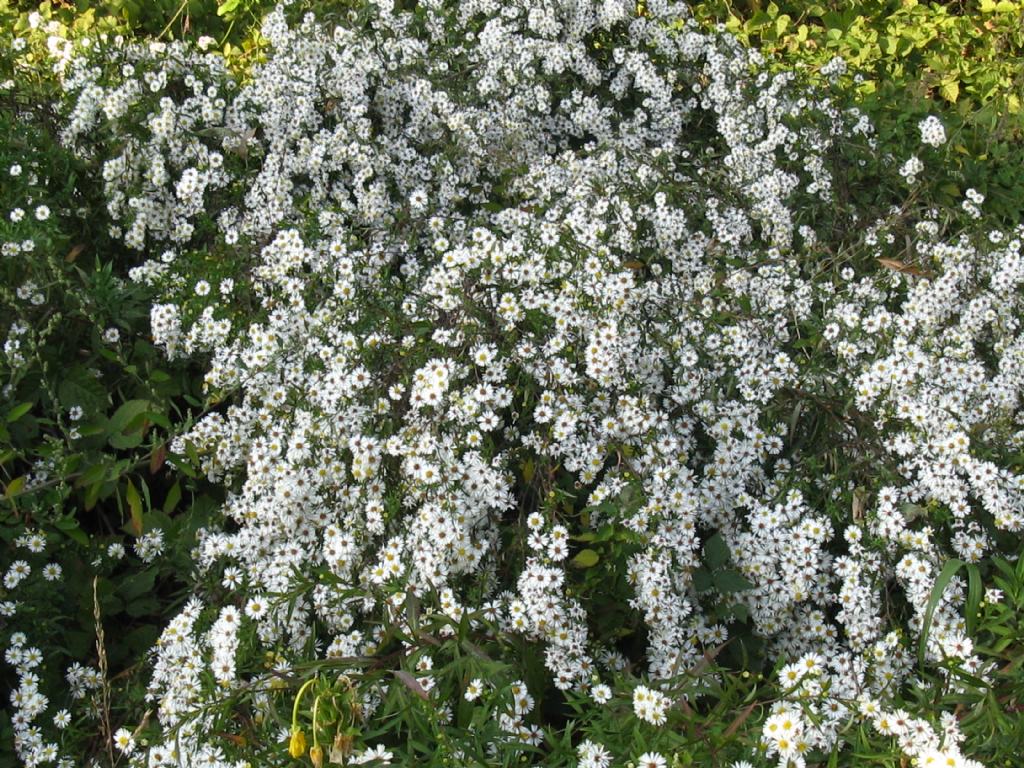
(192, 453)
(974, 595)
(92, 495)
(158, 418)
(17, 412)
(138, 584)
(94, 474)
(741, 612)
(730, 581)
(125, 427)
(945, 576)
(80, 387)
(586, 558)
(701, 580)
(69, 526)
(135, 507)
(716, 552)
(173, 497)
(143, 607)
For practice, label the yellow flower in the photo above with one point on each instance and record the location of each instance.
(297, 745)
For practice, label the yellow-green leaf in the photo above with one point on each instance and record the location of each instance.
(950, 90)
(14, 486)
(586, 558)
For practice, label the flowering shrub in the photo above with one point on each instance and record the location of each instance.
(550, 389)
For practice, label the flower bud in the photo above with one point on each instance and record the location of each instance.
(297, 745)
(316, 755)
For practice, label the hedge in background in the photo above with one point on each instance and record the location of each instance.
(906, 59)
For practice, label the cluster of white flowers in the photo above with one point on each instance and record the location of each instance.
(933, 133)
(29, 704)
(911, 168)
(32, 712)
(650, 705)
(581, 254)
(150, 545)
(803, 722)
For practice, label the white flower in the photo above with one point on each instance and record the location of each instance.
(376, 754)
(256, 608)
(418, 200)
(124, 741)
(601, 693)
(42, 213)
(651, 760)
(51, 571)
(474, 689)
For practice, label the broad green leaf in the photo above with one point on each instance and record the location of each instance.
(137, 584)
(126, 425)
(716, 552)
(701, 580)
(93, 474)
(17, 412)
(143, 606)
(730, 581)
(586, 558)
